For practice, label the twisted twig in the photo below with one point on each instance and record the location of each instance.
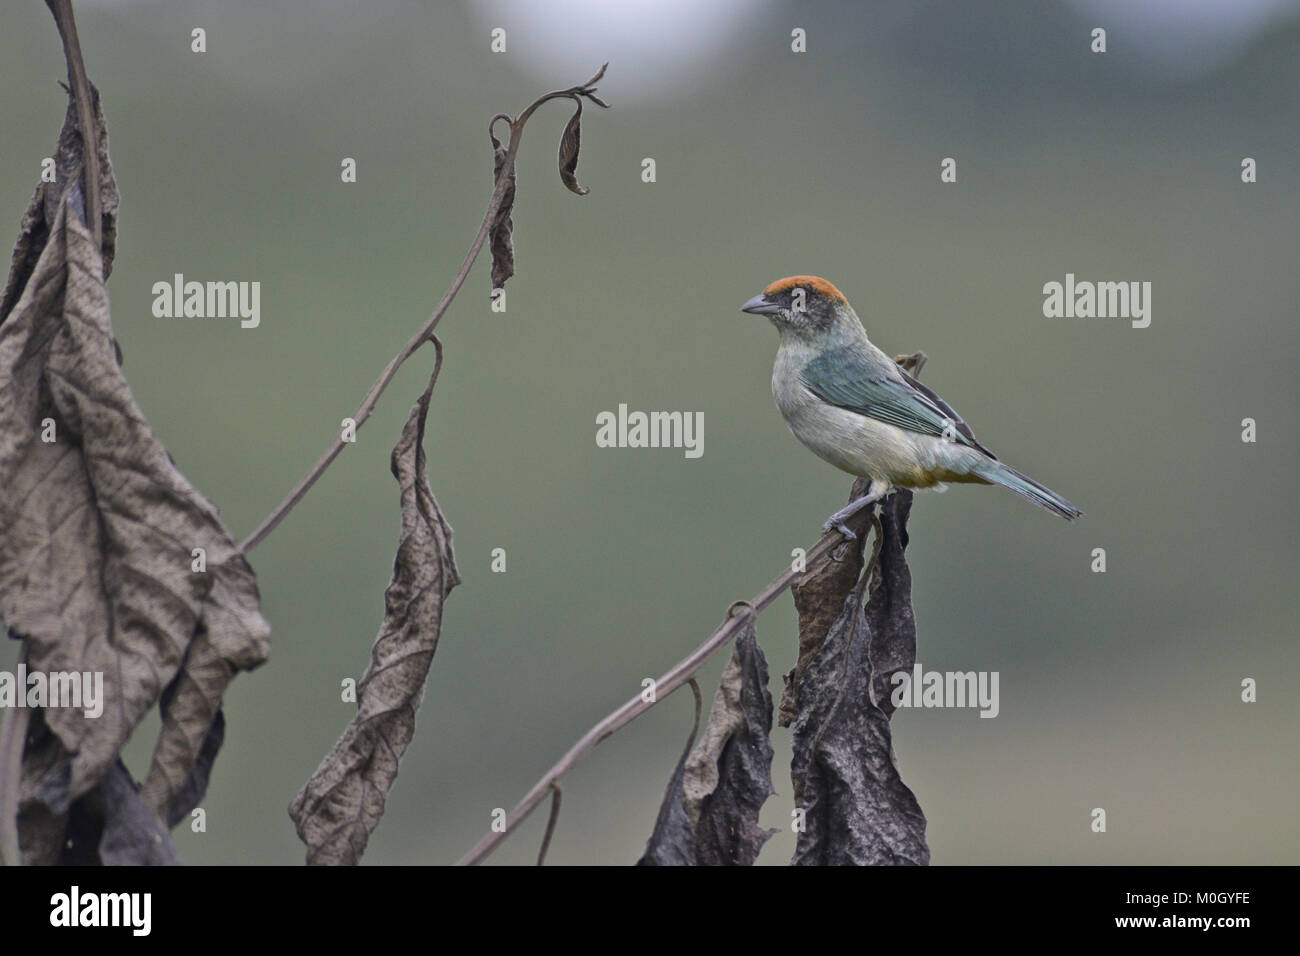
(679, 674)
(684, 670)
(422, 334)
(67, 24)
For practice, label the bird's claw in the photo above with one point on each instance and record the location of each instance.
(841, 527)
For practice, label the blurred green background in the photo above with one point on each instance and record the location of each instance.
(1118, 690)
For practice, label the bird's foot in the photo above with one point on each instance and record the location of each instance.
(841, 527)
(837, 521)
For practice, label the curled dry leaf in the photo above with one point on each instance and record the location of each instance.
(889, 607)
(112, 826)
(819, 600)
(183, 793)
(709, 816)
(570, 144)
(857, 809)
(341, 804)
(501, 234)
(912, 364)
(97, 525)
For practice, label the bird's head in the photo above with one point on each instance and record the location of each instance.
(806, 306)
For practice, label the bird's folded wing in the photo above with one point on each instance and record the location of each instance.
(848, 379)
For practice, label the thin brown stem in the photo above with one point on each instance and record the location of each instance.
(695, 726)
(556, 793)
(13, 735)
(67, 24)
(422, 334)
(676, 676)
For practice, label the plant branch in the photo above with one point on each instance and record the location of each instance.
(67, 24)
(13, 737)
(683, 671)
(422, 334)
(556, 793)
(679, 674)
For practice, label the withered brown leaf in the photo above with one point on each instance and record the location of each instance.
(501, 235)
(859, 812)
(98, 528)
(709, 816)
(570, 144)
(341, 804)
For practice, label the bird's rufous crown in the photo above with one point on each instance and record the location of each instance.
(814, 284)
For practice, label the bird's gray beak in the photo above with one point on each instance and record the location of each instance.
(760, 306)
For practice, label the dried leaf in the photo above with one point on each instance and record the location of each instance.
(41, 212)
(889, 607)
(857, 809)
(117, 828)
(819, 599)
(187, 793)
(191, 707)
(341, 804)
(912, 364)
(46, 773)
(570, 143)
(709, 816)
(502, 231)
(109, 825)
(97, 527)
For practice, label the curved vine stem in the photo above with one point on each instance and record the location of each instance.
(556, 793)
(680, 674)
(81, 95)
(13, 737)
(426, 329)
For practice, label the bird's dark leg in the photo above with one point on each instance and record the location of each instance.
(876, 491)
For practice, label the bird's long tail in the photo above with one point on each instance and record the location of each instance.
(1026, 487)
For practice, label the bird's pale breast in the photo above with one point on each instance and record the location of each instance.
(858, 444)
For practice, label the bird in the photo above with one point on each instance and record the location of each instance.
(854, 407)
